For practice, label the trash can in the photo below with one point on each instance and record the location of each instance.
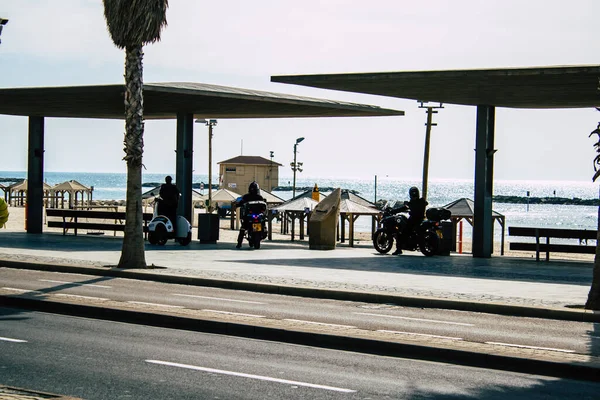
(448, 238)
(208, 228)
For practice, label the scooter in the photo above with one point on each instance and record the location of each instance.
(160, 229)
(254, 215)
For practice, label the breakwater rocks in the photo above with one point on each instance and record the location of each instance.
(194, 185)
(300, 189)
(546, 200)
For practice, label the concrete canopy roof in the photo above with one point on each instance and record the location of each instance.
(535, 87)
(165, 100)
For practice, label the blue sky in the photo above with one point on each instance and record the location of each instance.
(241, 43)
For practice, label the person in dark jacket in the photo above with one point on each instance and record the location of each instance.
(416, 213)
(252, 195)
(170, 200)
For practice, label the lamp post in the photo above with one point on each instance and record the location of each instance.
(3, 22)
(271, 172)
(210, 123)
(296, 166)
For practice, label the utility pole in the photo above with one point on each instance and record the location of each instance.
(296, 166)
(430, 111)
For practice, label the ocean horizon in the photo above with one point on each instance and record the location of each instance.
(112, 186)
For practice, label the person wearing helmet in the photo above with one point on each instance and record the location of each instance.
(416, 213)
(170, 200)
(252, 195)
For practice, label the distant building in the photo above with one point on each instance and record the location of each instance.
(237, 173)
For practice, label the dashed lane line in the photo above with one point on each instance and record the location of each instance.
(420, 334)
(234, 313)
(76, 296)
(415, 319)
(5, 339)
(217, 298)
(76, 283)
(522, 346)
(154, 304)
(318, 323)
(250, 376)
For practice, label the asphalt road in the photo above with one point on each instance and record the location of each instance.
(413, 323)
(103, 360)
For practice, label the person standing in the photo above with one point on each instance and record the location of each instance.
(170, 200)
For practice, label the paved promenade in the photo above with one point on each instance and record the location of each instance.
(498, 280)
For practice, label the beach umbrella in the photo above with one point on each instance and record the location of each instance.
(225, 196)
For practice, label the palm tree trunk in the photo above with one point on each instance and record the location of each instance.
(132, 253)
(593, 300)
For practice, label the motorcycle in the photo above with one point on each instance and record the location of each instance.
(425, 237)
(160, 229)
(255, 220)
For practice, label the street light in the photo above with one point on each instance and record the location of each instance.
(296, 166)
(210, 123)
(3, 22)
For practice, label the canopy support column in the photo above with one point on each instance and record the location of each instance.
(184, 159)
(483, 223)
(35, 176)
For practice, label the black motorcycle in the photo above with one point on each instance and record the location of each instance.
(254, 215)
(425, 237)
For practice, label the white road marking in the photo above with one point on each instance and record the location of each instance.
(5, 339)
(154, 304)
(416, 319)
(421, 334)
(217, 298)
(243, 375)
(234, 313)
(76, 283)
(318, 323)
(531, 347)
(75, 296)
(21, 290)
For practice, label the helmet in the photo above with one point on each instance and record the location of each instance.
(168, 179)
(413, 193)
(254, 188)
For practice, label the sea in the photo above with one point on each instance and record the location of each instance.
(112, 186)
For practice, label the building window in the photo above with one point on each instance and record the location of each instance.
(229, 169)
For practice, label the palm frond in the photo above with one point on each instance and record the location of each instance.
(135, 22)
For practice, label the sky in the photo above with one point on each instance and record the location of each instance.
(240, 43)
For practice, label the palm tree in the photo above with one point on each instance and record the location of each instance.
(593, 300)
(132, 24)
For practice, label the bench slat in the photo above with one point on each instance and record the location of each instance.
(88, 225)
(554, 248)
(553, 232)
(68, 213)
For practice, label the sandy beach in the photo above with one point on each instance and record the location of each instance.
(16, 223)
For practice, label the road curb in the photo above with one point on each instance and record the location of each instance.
(321, 340)
(332, 294)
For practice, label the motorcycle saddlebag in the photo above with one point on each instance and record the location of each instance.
(438, 214)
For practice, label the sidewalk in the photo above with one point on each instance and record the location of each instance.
(497, 280)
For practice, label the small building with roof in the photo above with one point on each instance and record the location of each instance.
(238, 172)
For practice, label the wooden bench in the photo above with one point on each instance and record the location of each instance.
(78, 219)
(583, 235)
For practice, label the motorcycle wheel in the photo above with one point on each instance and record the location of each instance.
(152, 238)
(430, 244)
(383, 241)
(186, 240)
(257, 239)
(161, 235)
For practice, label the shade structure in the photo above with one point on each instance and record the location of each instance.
(297, 208)
(353, 206)
(464, 208)
(166, 100)
(16, 194)
(224, 196)
(530, 87)
(73, 189)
